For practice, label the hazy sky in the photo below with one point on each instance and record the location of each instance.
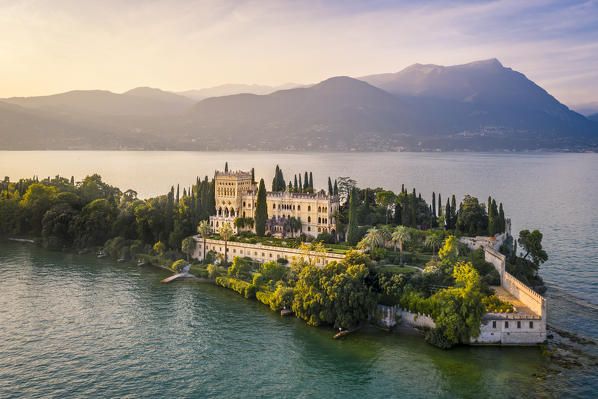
(58, 45)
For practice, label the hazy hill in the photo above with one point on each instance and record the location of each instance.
(481, 106)
(231, 89)
(586, 109)
(338, 113)
(140, 101)
(593, 117)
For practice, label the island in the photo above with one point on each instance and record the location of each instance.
(343, 257)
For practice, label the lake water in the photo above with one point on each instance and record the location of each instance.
(75, 326)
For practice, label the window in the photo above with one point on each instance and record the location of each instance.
(308, 228)
(273, 206)
(518, 324)
(506, 324)
(531, 324)
(309, 208)
(309, 219)
(319, 220)
(494, 324)
(298, 207)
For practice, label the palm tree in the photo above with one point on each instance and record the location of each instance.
(372, 239)
(226, 232)
(433, 241)
(401, 236)
(386, 233)
(204, 229)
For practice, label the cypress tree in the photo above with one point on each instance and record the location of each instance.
(403, 188)
(300, 186)
(72, 180)
(295, 184)
(226, 167)
(439, 205)
(290, 186)
(496, 213)
(177, 193)
(491, 219)
(212, 198)
(398, 215)
(447, 215)
(453, 211)
(330, 189)
(261, 210)
(501, 219)
(352, 229)
(184, 192)
(434, 203)
(276, 179)
(305, 182)
(311, 181)
(253, 175)
(335, 188)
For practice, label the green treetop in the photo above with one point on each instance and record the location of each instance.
(261, 210)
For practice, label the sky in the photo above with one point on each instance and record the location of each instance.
(51, 46)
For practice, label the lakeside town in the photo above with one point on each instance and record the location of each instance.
(342, 257)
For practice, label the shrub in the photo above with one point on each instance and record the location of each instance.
(436, 337)
(258, 279)
(240, 268)
(273, 271)
(494, 305)
(213, 271)
(282, 298)
(238, 286)
(179, 265)
(250, 291)
(264, 297)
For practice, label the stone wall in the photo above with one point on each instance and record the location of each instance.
(510, 331)
(529, 297)
(391, 316)
(262, 253)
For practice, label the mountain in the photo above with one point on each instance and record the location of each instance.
(23, 129)
(586, 109)
(480, 106)
(482, 98)
(338, 113)
(231, 89)
(593, 117)
(139, 101)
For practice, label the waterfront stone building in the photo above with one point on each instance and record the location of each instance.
(236, 197)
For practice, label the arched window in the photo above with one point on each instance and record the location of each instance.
(319, 209)
(309, 208)
(319, 220)
(273, 206)
(309, 219)
(298, 207)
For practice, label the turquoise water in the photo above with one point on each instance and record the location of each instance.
(75, 326)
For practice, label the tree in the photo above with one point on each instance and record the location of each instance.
(226, 167)
(345, 187)
(179, 265)
(159, 248)
(434, 203)
(501, 219)
(253, 175)
(273, 271)
(330, 189)
(433, 241)
(241, 268)
(400, 237)
(449, 250)
(37, 200)
(311, 181)
(491, 219)
(531, 243)
(226, 232)
(335, 191)
(188, 246)
(261, 210)
(385, 199)
(458, 311)
(472, 218)
(352, 230)
(372, 239)
(305, 181)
